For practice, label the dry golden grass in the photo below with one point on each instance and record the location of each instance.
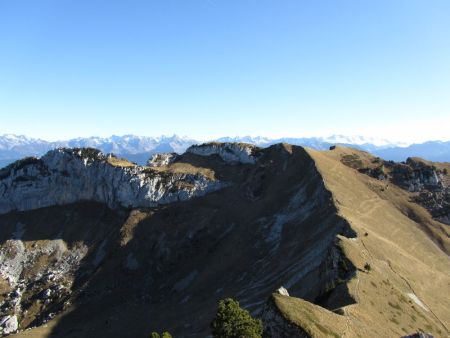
(120, 162)
(316, 321)
(397, 239)
(175, 168)
(185, 168)
(128, 228)
(403, 258)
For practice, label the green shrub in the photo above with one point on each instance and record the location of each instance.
(232, 321)
(165, 334)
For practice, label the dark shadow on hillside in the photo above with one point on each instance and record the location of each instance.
(166, 268)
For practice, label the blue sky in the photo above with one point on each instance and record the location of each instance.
(209, 68)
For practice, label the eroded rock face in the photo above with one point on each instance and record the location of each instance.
(40, 263)
(40, 274)
(437, 202)
(160, 160)
(65, 176)
(16, 260)
(229, 152)
(8, 325)
(430, 183)
(416, 176)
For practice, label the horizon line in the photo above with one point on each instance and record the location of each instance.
(367, 139)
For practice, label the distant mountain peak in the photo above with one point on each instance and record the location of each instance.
(140, 148)
(360, 140)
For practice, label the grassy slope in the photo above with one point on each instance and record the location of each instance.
(173, 168)
(315, 320)
(403, 259)
(120, 162)
(399, 198)
(185, 168)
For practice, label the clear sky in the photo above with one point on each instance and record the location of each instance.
(210, 68)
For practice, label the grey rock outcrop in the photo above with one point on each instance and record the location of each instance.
(437, 202)
(431, 183)
(229, 152)
(160, 160)
(65, 176)
(8, 325)
(416, 176)
(282, 291)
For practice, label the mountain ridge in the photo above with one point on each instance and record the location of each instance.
(340, 229)
(140, 148)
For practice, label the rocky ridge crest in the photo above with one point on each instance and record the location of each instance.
(65, 176)
(229, 152)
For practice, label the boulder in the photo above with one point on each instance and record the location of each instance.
(282, 291)
(8, 324)
(160, 160)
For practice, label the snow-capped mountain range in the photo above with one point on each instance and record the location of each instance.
(135, 148)
(117, 144)
(320, 142)
(139, 148)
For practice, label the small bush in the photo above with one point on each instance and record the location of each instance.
(165, 334)
(232, 321)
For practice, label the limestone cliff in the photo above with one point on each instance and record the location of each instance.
(229, 152)
(65, 176)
